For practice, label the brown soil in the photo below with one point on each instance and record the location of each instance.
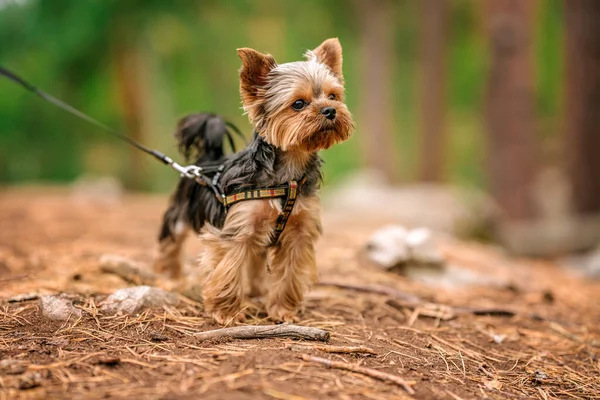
(51, 242)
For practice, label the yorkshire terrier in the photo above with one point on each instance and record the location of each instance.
(296, 109)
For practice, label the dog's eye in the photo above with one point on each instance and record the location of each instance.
(299, 105)
(332, 96)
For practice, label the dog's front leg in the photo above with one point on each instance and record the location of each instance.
(293, 264)
(228, 253)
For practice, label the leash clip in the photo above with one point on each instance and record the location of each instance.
(189, 171)
(192, 171)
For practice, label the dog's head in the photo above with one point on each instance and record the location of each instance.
(297, 105)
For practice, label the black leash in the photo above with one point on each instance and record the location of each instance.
(190, 171)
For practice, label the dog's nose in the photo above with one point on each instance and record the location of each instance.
(328, 112)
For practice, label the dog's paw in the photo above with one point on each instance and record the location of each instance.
(228, 318)
(281, 314)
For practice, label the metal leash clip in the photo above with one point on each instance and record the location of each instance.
(189, 171)
(192, 171)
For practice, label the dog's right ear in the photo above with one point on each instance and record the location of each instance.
(253, 74)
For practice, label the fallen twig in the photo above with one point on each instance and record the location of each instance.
(377, 289)
(23, 297)
(127, 270)
(445, 312)
(406, 300)
(266, 331)
(382, 376)
(333, 349)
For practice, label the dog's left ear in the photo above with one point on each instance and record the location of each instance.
(330, 54)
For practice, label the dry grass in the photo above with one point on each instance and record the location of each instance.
(546, 349)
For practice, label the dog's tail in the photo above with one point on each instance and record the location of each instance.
(200, 136)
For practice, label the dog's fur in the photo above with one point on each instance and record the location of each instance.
(235, 242)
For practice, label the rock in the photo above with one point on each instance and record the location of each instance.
(133, 300)
(30, 380)
(586, 265)
(388, 247)
(593, 264)
(59, 308)
(12, 367)
(423, 247)
(395, 245)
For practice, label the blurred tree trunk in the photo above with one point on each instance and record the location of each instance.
(510, 107)
(583, 102)
(433, 36)
(127, 67)
(375, 19)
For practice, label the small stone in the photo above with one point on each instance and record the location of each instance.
(133, 300)
(158, 337)
(12, 367)
(394, 246)
(498, 338)
(30, 380)
(59, 308)
(423, 247)
(387, 247)
(539, 377)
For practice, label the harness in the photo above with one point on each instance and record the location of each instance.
(288, 192)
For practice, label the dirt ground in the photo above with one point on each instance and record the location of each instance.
(542, 339)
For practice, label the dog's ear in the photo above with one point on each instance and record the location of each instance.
(253, 74)
(330, 54)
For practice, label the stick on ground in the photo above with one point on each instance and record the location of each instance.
(382, 376)
(127, 270)
(265, 332)
(334, 349)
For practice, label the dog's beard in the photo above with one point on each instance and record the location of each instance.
(308, 132)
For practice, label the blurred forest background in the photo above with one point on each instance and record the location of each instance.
(500, 95)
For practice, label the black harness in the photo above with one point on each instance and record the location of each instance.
(288, 191)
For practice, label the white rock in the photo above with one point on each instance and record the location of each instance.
(388, 247)
(423, 247)
(133, 300)
(394, 245)
(58, 308)
(587, 265)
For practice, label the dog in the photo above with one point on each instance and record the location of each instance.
(297, 109)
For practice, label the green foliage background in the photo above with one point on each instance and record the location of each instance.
(190, 64)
